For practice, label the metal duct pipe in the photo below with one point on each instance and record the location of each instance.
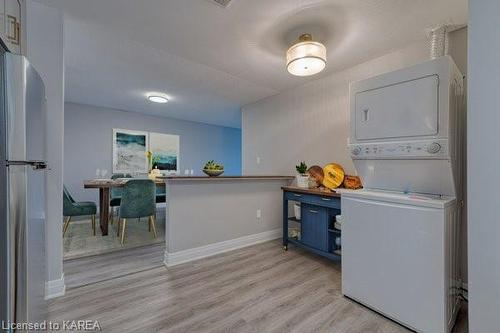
(439, 41)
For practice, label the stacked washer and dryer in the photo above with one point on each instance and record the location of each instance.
(400, 233)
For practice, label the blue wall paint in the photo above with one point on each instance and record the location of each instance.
(88, 132)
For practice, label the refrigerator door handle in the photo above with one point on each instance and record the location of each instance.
(37, 165)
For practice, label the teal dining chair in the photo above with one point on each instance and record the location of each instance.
(72, 208)
(116, 194)
(137, 200)
(161, 195)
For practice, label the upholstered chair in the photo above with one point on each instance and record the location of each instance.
(116, 194)
(137, 200)
(160, 194)
(72, 208)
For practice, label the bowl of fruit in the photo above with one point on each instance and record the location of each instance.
(213, 169)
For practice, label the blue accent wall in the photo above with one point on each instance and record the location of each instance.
(88, 133)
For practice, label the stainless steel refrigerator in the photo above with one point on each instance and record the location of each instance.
(22, 191)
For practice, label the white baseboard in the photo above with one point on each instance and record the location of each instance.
(180, 257)
(55, 288)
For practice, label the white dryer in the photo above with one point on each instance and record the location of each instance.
(399, 236)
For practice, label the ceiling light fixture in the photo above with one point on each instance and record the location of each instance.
(157, 99)
(306, 57)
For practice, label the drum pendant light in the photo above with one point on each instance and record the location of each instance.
(306, 57)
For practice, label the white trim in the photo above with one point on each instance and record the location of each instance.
(180, 257)
(55, 288)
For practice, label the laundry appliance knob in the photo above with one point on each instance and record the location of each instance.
(433, 148)
(356, 151)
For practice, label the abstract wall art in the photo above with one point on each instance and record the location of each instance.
(129, 151)
(165, 150)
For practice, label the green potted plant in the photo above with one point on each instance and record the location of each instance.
(302, 177)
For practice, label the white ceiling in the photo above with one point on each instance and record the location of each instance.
(212, 60)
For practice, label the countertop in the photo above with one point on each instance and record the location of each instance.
(219, 178)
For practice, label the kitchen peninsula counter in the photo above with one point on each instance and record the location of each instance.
(210, 215)
(207, 178)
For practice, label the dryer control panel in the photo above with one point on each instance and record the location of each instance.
(434, 149)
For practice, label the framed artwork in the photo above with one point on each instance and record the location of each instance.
(129, 151)
(165, 150)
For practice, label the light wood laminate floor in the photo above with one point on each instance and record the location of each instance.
(255, 289)
(98, 268)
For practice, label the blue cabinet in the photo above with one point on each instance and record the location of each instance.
(314, 231)
(314, 226)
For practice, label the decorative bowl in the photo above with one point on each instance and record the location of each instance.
(213, 173)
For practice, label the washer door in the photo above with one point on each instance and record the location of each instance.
(393, 261)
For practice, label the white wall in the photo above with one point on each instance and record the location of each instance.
(45, 52)
(88, 132)
(311, 122)
(484, 166)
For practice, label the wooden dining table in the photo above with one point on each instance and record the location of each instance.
(104, 186)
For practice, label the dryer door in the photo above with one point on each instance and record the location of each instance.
(405, 109)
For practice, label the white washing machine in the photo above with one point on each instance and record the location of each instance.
(399, 236)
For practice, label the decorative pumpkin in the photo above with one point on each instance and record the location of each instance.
(333, 175)
(316, 173)
(352, 182)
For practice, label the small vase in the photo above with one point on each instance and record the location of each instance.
(303, 181)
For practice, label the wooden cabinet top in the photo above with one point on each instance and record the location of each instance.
(313, 191)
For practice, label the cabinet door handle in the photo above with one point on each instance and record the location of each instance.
(326, 199)
(297, 195)
(313, 211)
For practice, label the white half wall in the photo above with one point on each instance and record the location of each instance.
(45, 36)
(205, 217)
(483, 166)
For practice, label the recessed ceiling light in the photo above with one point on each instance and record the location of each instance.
(306, 57)
(157, 99)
